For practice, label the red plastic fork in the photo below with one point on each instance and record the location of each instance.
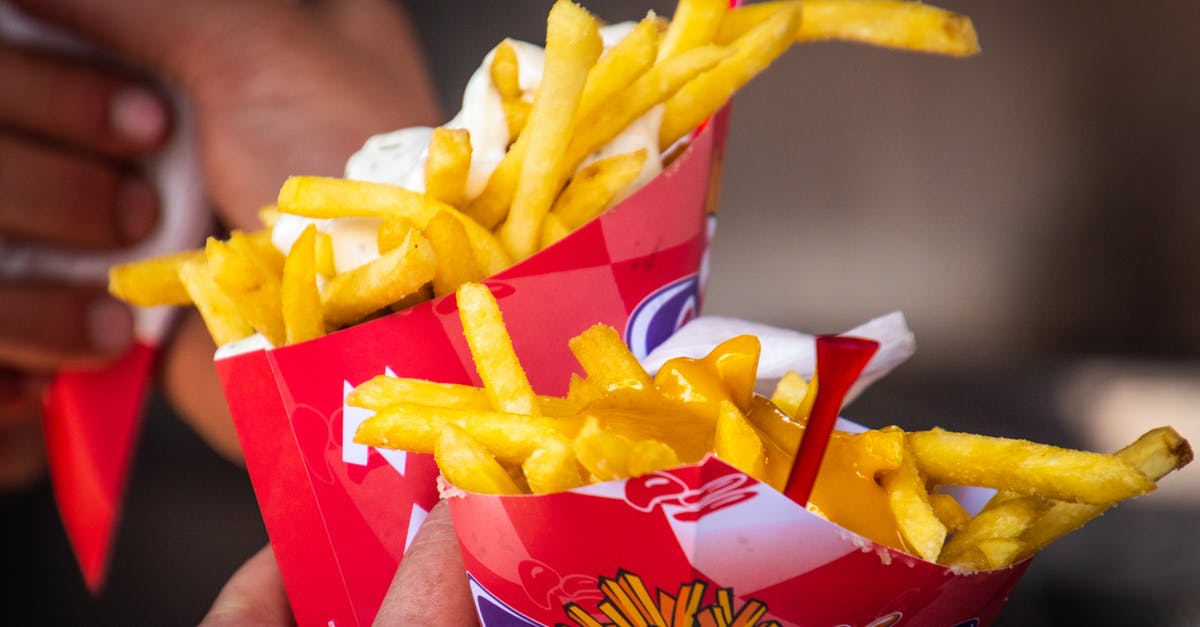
(840, 359)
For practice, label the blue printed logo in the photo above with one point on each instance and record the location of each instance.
(661, 313)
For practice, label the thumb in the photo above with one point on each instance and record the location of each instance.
(430, 587)
(254, 596)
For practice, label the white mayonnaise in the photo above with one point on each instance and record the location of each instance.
(399, 157)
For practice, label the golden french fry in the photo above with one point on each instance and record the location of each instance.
(608, 78)
(647, 456)
(379, 392)
(505, 74)
(572, 46)
(253, 288)
(752, 53)
(594, 188)
(447, 165)
(1000, 552)
(258, 247)
(552, 468)
(234, 271)
(412, 300)
(949, 511)
(152, 282)
(455, 260)
(505, 71)
(392, 232)
(989, 554)
(736, 442)
(789, 392)
(324, 254)
(319, 197)
(516, 115)
(607, 360)
(876, 451)
(738, 20)
(694, 24)
(490, 207)
(806, 403)
(581, 391)
(620, 66)
(1155, 454)
(891, 23)
(495, 361)
(468, 465)
(553, 230)
(909, 502)
(301, 302)
(1006, 516)
(653, 87)
(220, 315)
(511, 438)
(351, 296)
(604, 454)
(951, 458)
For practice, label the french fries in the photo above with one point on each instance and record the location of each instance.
(1076, 476)
(888, 23)
(547, 183)
(572, 46)
(301, 299)
(447, 165)
(152, 282)
(617, 421)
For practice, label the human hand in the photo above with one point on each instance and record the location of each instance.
(70, 134)
(277, 88)
(430, 587)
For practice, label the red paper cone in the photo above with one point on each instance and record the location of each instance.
(707, 534)
(339, 514)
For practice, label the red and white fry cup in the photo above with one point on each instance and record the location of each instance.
(703, 543)
(340, 514)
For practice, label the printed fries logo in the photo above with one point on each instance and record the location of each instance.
(689, 503)
(627, 601)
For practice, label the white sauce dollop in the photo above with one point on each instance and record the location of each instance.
(399, 157)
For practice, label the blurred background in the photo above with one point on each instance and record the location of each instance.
(1034, 211)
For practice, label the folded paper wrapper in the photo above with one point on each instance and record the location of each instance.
(529, 557)
(92, 417)
(340, 514)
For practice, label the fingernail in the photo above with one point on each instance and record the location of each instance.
(137, 209)
(138, 115)
(110, 325)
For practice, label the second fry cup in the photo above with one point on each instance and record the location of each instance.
(698, 545)
(339, 514)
